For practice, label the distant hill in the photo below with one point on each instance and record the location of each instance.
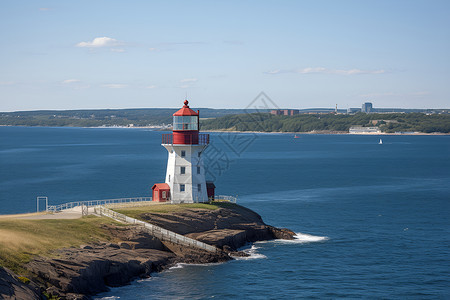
(103, 117)
(231, 119)
(389, 123)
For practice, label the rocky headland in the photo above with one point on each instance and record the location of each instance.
(80, 272)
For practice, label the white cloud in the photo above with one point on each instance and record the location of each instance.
(67, 81)
(75, 84)
(322, 70)
(188, 80)
(100, 42)
(114, 85)
(7, 82)
(273, 72)
(187, 83)
(151, 87)
(118, 50)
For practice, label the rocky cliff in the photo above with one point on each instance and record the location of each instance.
(12, 288)
(76, 273)
(227, 227)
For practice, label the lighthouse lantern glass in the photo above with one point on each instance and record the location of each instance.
(185, 123)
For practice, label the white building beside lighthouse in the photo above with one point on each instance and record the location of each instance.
(185, 175)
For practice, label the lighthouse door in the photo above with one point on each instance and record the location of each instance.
(163, 195)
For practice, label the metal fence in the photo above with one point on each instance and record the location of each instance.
(91, 203)
(118, 202)
(159, 232)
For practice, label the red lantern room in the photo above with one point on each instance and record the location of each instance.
(185, 126)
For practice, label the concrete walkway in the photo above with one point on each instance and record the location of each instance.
(73, 213)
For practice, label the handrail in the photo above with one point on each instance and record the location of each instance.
(203, 139)
(159, 232)
(91, 203)
(118, 201)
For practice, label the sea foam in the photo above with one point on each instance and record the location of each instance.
(307, 238)
(252, 252)
(299, 238)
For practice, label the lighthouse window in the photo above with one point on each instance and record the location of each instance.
(199, 187)
(182, 187)
(183, 153)
(185, 123)
(183, 170)
(198, 170)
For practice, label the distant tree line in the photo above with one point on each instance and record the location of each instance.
(389, 123)
(101, 117)
(232, 119)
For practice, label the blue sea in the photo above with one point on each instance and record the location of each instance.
(372, 221)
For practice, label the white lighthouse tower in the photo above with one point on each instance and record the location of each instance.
(185, 176)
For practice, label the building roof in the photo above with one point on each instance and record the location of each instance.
(161, 186)
(185, 110)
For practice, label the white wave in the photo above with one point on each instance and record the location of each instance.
(182, 265)
(302, 238)
(253, 254)
(108, 298)
(177, 266)
(299, 238)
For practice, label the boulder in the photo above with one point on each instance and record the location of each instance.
(11, 288)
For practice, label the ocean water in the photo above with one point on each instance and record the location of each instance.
(372, 220)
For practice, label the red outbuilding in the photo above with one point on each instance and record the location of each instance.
(161, 192)
(210, 189)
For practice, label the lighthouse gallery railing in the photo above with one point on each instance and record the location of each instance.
(203, 139)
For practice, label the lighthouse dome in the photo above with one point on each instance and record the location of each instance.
(185, 125)
(185, 110)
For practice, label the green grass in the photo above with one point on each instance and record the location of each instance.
(136, 212)
(21, 240)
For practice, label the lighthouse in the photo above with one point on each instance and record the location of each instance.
(185, 175)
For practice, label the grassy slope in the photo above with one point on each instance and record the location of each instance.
(135, 212)
(21, 240)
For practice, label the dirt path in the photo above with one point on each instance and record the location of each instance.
(73, 213)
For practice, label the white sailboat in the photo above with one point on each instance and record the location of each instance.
(380, 142)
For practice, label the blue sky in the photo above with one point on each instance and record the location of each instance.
(222, 54)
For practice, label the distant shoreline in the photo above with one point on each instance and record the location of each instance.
(323, 132)
(327, 133)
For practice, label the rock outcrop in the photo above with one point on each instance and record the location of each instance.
(232, 227)
(76, 273)
(12, 288)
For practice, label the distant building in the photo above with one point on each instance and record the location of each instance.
(367, 107)
(364, 130)
(352, 110)
(284, 112)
